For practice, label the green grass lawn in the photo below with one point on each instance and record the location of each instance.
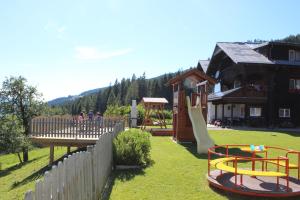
(16, 179)
(178, 172)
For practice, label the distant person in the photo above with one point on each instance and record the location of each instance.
(81, 117)
(80, 122)
(90, 115)
(99, 117)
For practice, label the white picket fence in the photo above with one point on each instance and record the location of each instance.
(81, 176)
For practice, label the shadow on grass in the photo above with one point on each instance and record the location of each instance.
(38, 174)
(192, 148)
(123, 176)
(7, 171)
(234, 196)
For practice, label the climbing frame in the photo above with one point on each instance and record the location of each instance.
(154, 105)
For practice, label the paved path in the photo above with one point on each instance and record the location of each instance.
(246, 128)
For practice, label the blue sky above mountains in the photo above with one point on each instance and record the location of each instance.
(66, 47)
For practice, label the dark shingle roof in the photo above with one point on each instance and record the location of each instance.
(242, 53)
(204, 64)
(219, 95)
(286, 62)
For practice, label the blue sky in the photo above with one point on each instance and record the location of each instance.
(69, 46)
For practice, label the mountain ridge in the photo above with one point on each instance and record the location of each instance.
(69, 98)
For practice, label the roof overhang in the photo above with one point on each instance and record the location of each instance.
(192, 72)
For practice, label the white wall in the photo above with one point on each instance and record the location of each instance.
(238, 111)
(210, 112)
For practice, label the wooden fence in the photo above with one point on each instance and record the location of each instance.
(81, 176)
(58, 127)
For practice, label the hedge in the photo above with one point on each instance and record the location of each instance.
(132, 147)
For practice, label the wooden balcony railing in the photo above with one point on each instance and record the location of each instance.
(58, 127)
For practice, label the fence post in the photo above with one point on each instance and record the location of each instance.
(90, 149)
(51, 159)
(29, 195)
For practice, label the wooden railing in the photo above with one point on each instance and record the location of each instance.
(82, 175)
(58, 127)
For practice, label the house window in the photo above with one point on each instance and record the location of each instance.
(236, 84)
(217, 74)
(297, 55)
(284, 112)
(291, 55)
(294, 84)
(217, 88)
(255, 112)
(242, 111)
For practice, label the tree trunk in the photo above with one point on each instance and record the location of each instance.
(19, 156)
(25, 154)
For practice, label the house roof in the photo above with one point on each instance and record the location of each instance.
(204, 64)
(154, 100)
(287, 62)
(242, 53)
(220, 95)
(258, 45)
(190, 72)
(239, 95)
(291, 44)
(246, 53)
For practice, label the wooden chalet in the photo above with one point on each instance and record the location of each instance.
(186, 84)
(258, 84)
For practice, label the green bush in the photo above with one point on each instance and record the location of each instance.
(132, 147)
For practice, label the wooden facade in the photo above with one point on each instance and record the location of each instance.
(185, 85)
(69, 132)
(269, 77)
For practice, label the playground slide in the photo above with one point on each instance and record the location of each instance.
(199, 127)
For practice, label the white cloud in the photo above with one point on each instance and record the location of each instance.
(56, 29)
(91, 53)
(61, 29)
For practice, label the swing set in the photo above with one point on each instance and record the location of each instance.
(154, 106)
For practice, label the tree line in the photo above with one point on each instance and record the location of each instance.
(121, 93)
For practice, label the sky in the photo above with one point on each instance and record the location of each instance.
(65, 47)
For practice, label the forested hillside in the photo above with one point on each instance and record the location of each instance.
(120, 93)
(291, 38)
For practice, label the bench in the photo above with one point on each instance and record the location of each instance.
(219, 164)
(283, 164)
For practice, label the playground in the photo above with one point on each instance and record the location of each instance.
(179, 172)
(244, 169)
(236, 170)
(192, 163)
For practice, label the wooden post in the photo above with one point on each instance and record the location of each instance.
(231, 114)
(51, 154)
(68, 150)
(216, 111)
(222, 113)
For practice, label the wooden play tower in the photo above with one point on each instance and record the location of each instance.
(191, 83)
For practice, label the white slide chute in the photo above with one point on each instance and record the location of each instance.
(199, 127)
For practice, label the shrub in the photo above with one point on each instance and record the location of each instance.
(132, 147)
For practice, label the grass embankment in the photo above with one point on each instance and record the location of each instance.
(16, 179)
(178, 172)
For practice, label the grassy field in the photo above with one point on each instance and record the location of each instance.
(178, 172)
(16, 179)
